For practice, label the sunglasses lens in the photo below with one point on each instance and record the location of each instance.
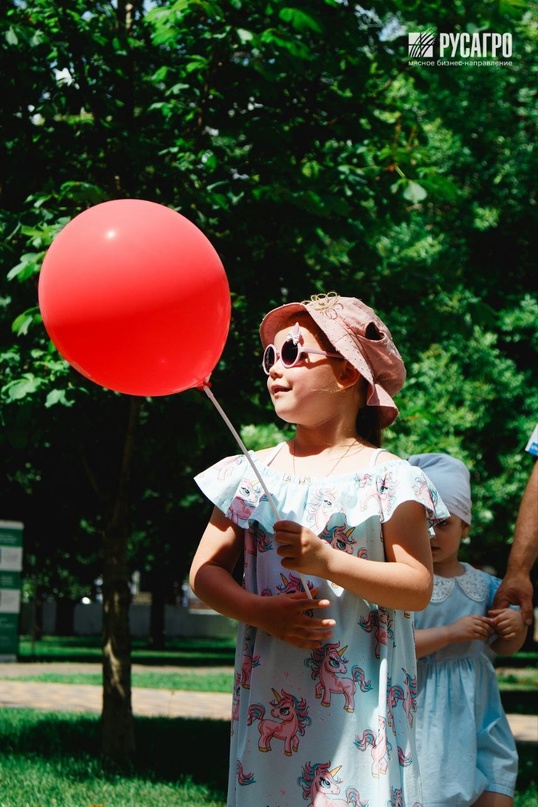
(289, 353)
(269, 358)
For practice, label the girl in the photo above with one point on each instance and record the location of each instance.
(325, 679)
(466, 750)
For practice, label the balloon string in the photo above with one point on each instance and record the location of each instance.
(243, 448)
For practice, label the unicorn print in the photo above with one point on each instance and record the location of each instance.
(379, 623)
(408, 698)
(292, 715)
(327, 663)
(248, 659)
(236, 699)
(290, 585)
(323, 505)
(381, 747)
(396, 798)
(384, 491)
(256, 540)
(339, 537)
(321, 787)
(246, 501)
(242, 777)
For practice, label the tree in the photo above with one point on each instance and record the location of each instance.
(313, 157)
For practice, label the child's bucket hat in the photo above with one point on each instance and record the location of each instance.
(356, 332)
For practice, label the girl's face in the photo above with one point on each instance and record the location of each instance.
(446, 543)
(305, 394)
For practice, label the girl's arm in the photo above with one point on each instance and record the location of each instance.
(404, 581)
(511, 631)
(282, 616)
(464, 629)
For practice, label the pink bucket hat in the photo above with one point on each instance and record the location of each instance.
(356, 332)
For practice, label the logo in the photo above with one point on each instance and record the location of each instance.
(478, 49)
(420, 45)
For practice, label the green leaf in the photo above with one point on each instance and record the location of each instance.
(29, 264)
(300, 20)
(22, 324)
(57, 396)
(27, 385)
(414, 192)
(244, 35)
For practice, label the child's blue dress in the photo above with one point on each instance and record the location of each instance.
(332, 726)
(464, 741)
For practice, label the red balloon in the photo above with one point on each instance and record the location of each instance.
(134, 296)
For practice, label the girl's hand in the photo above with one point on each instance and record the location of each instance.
(506, 622)
(289, 617)
(468, 628)
(300, 549)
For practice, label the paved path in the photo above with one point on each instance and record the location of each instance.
(146, 702)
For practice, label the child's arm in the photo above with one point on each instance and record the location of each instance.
(404, 581)
(510, 628)
(464, 629)
(283, 616)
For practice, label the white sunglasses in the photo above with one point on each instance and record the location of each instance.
(291, 353)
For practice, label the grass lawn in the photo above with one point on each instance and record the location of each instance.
(52, 758)
(178, 652)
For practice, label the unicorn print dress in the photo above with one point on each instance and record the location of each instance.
(463, 736)
(333, 726)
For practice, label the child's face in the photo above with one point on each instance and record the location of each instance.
(448, 536)
(304, 393)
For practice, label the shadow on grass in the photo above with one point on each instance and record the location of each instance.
(168, 749)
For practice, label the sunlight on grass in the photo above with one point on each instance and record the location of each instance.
(82, 784)
(205, 680)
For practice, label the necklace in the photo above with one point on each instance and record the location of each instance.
(329, 473)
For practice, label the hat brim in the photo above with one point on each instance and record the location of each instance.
(273, 321)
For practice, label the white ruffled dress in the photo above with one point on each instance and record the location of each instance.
(333, 726)
(463, 736)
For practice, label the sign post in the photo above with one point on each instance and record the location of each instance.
(10, 588)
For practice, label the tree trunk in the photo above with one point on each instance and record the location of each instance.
(157, 621)
(117, 717)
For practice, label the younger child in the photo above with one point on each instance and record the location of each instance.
(325, 686)
(466, 751)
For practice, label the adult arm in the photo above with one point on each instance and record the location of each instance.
(516, 588)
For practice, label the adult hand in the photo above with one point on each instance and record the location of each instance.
(515, 589)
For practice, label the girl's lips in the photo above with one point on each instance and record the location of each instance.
(276, 388)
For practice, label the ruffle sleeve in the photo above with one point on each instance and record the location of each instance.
(234, 487)
(402, 482)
